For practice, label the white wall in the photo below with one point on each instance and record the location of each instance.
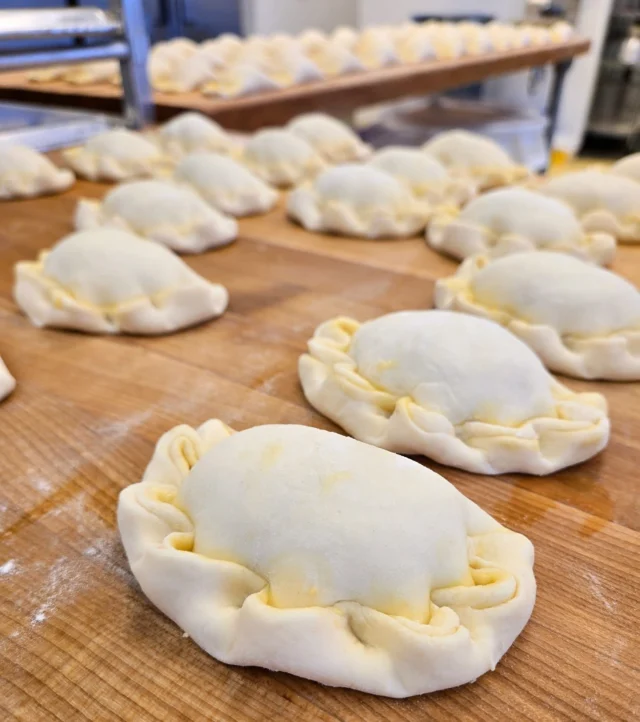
(292, 16)
(371, 12)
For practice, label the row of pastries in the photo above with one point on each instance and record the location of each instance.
(309, 552)
(230, 66)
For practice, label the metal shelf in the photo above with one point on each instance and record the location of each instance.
(54, 24)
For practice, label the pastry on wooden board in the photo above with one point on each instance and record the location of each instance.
(459, 389)
(629, 166)
(304, 551)
(192, 132)
(358, 200)
(333, 139)
(7, 382)
(425, 176)
(509, 220)
(117, 155)
(110, 281)
(281, 158)
(171, 214)
(26, 173)
(475, 156)
(226, 184)
(604, 202)
(580, 319)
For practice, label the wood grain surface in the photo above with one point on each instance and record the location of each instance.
(79, 641)
(277, 106)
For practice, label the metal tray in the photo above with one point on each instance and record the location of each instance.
(45, 128)
(58, 23)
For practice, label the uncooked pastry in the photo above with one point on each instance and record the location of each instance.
(116, 155)
(603, 201)
(344, 36)
(416, 46)
(281, 157)
(375, 49)
(425, 176)
(334, 140)
(311, 39)
(333, 59)
(307, 552)
(235, 81)
(509, 220)
(446, 39)
(110, 281)
(358, 200)
(182, 75)
(193, 132)
(288, 65)
(47, 74)
(7, 382)
(465, 153)
(628, 166)
(170, 214)
(25, 173)
(581, 320)
(226, 185)
(475, 38)
(459, 389)
(100, 71)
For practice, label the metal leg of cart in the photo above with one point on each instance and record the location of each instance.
(559, 76)
(136, 96)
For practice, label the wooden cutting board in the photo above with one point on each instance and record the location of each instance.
(79, 641)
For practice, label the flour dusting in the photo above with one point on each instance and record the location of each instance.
(8, 568)
(596, 589)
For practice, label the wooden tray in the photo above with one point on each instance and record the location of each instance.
(339, 94)
(81, 642)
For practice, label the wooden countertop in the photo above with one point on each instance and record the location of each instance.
(336, 94)
(80, 641)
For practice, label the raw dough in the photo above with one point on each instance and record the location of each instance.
(581, 320)
(604, 202)
(116, 155)
(334, 140)
(288, 65)
(333, 60)
(160, 211)
(100, 71)
(182, 75)
(456, 388)
(628, 166)
(375, 49)
(281, 158)
(226, 185)
(446, 39)
(245, 78)
(110, 281)
(358, 200)
(25, 173)
(425, 176)
(344, 36)
(470, 154)
(47, 74)
(416, 46)
(7, 382)
(193, 132)
(307, 552)
(509, 220)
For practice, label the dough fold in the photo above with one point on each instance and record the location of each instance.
(346, 601)
(465, 393)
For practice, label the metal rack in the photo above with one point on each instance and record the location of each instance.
(118, 33)
(615, 111)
